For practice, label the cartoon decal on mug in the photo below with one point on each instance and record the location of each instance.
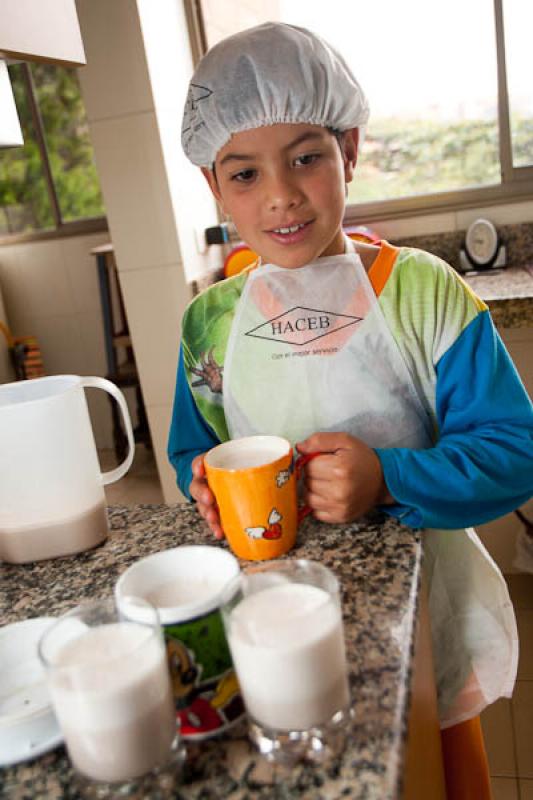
(206, 692)
(283, 475)
(273, 531)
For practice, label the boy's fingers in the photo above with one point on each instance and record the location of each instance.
(324, 443)
(319, 469)
(201, 492)
(198, 469)
(214, 523)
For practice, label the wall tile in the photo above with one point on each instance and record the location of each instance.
(497, 727)
(526, 790)
(522, 706)
(92, 355)
(82, 273)
(135, 188)
(521, 589)
(35, 283)
(10, 272)
(415, 226)
(504, 789)
(61, 343)
(506, 214)
(525, 637)
(159, 419)
(155, 299)
(115, 81)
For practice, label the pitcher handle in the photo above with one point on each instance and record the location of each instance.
(102, 383)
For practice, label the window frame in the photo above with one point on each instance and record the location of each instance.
(516, 182)
(61, 229)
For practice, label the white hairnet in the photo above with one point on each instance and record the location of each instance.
(262, 76)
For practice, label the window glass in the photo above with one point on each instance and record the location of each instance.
(518, 22)
(429, 71)
(67, 141)
(24, 200)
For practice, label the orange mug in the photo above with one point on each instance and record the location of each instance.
(254, 482)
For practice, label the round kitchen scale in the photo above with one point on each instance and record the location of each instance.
(482, 248)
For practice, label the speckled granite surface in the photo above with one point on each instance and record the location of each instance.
(378, 564)
(508, 294)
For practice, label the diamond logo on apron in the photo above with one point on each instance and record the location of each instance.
(300, 325)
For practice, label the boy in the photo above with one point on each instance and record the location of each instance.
(382, 359)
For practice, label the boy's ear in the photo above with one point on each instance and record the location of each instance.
(350, 144)
(211, 179)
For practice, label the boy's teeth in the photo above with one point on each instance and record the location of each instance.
(292, 229)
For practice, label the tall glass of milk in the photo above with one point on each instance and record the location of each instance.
(284, 626)
(110, 687)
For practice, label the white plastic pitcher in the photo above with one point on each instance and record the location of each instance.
(52, 501)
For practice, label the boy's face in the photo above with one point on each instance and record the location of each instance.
(282, 177)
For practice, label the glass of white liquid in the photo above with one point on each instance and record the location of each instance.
(284, 626)
(110, 687)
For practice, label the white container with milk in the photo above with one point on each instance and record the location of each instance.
(52, 500)
(284, 627)
(110, 687)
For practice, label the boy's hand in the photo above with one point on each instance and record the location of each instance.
(345, 482)
(204, 497)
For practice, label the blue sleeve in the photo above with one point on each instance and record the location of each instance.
(189, 433)
(482, 464)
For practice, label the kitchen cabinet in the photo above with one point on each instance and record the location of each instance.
(41, 30)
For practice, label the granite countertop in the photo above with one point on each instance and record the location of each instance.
(377, 561)
(508, 294)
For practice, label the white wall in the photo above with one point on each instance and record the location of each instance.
(50, 290)
(449, 221)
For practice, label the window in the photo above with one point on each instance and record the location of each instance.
(449, 126)
(518, 17)
(51, 181)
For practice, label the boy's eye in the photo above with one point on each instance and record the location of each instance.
(306, 159)
(244, 176)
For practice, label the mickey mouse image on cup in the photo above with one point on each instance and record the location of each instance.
(202, 708)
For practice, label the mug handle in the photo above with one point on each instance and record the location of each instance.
(299, 464)
(102, 383)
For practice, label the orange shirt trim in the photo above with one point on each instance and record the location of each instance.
(379, 272)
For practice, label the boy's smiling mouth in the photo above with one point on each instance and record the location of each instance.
(290, 234)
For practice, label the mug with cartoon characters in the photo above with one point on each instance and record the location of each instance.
(186, 585)
(254, 482)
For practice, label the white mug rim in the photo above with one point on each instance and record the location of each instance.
(175, 615)
(240, 445)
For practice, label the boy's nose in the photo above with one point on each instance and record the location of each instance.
(283, 194)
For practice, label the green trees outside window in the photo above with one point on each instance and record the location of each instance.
(50, 181)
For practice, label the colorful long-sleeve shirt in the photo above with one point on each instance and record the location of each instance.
(481, 463)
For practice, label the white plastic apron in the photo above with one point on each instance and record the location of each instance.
(309, 350)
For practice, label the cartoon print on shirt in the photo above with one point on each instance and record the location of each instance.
(209, 372)
(273, 531)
